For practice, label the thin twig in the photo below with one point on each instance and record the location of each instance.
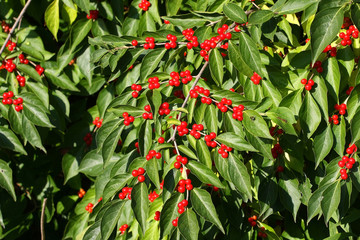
(14, 26)
(42, 218)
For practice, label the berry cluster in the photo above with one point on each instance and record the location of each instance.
(207, 45)
(144, 5)
(331, 49)
(194, 131)
(179, 94)
(81, 193)
(172, 43)
(39, 69)
(221, 105)
(123, 228)
(153, 83)
(164, 109)
(346, 36)
(335, 119)
(153, 153)
(262, 233)
(184, 185)
(308, 84)
(17, 102)
(137, 89)
(88, 139)
(348, 92)
(182, 205)
(209, 140)
(157, 216)
(347, 22)
(128, 119)
(224, 150)
(139, 174)
(317, 66)
(189, 35)
(98, 122)
(11, 45)
(199, 90)
(255, 78)
(150, 43)
(9, 65)
(253, 220)
(182, 128)
(180, 160)
(152, 196)
(175, 80)
(238, 112)
(5, 27)
(23, 60)
(94, 14)
(347, 161)
(147, 115)
(276, 150)
(89, 207)
(126, 191)
(341, 108)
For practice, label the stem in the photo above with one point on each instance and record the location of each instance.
(14, 26)
(42, 215)
(255, 5)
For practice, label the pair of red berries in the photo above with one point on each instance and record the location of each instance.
(128, 119)
(98, 122)
(39, 69)
(209, 140)
(137, 172)
(273, 131)
(276, 150)
(153, 153)
(317, 66)
(126, 191)
(81, 193)
(89, 207)
(180, 160)
(182, 128)
(253, 220)
(335, 119)
(5, 27)
(348, 92)
(11, 45)
(224, 150)
(123, 228)
(164, 109)
(332, 50)
(22, 59)
(157, 216)
(184, 185)
(175, 222)
(152, 196)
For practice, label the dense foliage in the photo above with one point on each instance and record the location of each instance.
(180, 119)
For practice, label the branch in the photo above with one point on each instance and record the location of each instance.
(14, 26)
(42, 215)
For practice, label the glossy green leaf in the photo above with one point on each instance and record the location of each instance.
(169, 213)
(203, 153)
(239, 176)
(260, 16)
(110, 218)
(355, 127)
(323, 144)
(52, 17)
(339, 132)
(235, 13)
(294, 6)
(331, 200)
(290, 195)
(211, 119)
(151, 62)
(332, 77)
(235, 141)
(216, 66)
(236, 58)
(314, 205)
(31, 134)
(110, 143)
(204, 174)
(310, 116)
(255, 124)
(140, 204)
(284, 118)
(10, 141)
(152, 171)
(188, 225)
(145, 138)
(6, 180)
(91, 164)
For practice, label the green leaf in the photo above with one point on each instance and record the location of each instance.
(93, 232)
(83, 4)
(62, 80)
(91, 164)
(239, 176)
(52, 17)
(260, 16)
(145, 137)
(216, 66)
(70, 166)
(15, 120)
(110, 218)
(289, 194)
(31, 134)
(203, 153)
(331, 75)
(339, 136)
(106, 129)
(151, 62)
(250, 54)
(187, 151)
(309, 114)
(324, 28)
(314, 205)
(355, 14)
(355, 127)
(263, 145)
(105, 97)
(203, 205)
(235, 141)
(35, 111)
(236, 58)
(139, 204)
(211, 119)
(110, 143)
(204, 174)
(186, 20)
(188, 225)
(29, 71)
(331, 200)
(115, 184)
(235, 13)
(10, 141)
(172, 6)
(120, 109)
(169, 213)
(322, 145)
(320, 96)
(6, 181)
(255, 124)
(153, 172)
(295, 6)
(284, 118)
(147, 23)
(268, 192)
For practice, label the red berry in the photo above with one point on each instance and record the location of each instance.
(141, 178)
(134, 42)
(135, 173)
